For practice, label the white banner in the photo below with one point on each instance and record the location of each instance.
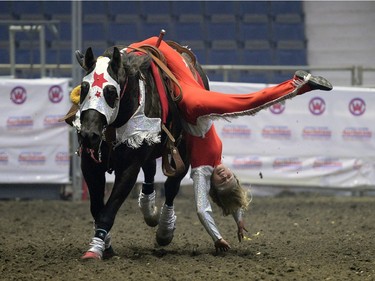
(34, 146)
(322, 139)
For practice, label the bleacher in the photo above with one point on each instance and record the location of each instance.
(228, 32)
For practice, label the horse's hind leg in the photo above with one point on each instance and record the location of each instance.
(147, 196)
(167, 221)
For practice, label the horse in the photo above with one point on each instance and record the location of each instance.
(118, 126)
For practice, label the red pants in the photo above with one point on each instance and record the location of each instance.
(198, 102)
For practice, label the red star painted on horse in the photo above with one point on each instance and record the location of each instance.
(99, 80)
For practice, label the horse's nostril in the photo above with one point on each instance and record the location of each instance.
(90, 139)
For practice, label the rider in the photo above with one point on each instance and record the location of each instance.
(199, 107)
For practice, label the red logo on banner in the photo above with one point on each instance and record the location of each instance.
(55, 94)
(357, 106)
(32, 158)
(236, 131)
(4, 158)
(62, 158)
(317, 106)
(277, 108)
(247, 163)
(18, 95)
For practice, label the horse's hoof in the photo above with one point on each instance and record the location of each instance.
(108, 253)
(164, 241)
(96, 250)
(147, 205)
(152, 221)
(164, 234)
(91, 256)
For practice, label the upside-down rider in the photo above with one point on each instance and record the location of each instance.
(199, 107)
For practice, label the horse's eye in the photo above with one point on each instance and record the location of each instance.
(85, 86)
(110, 95)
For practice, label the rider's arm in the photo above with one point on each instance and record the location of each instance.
(201, 180)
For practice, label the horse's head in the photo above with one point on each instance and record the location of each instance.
(101, 90)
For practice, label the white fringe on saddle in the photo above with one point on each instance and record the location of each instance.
(139, 128)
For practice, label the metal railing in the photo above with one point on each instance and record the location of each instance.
(355, 72)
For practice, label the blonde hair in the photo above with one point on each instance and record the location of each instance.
(230, 199)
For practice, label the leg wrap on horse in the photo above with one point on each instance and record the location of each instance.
(167, 222)
(96, 250)
(146, 203)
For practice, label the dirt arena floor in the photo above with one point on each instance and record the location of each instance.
(294, 237)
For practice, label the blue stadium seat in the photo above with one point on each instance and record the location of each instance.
(257, 52)
(253, 7)
(4, 54)
(221, 28)
(156, 7)
(63, 56)
(290, 57)
(59, 52)
(6, 12)
(125, 32)
(291, 52)
(4, 32)
(94, 31)
(223, 57)
(65, 30)
(94, 7)
(154, 24)
(58, 9)
(180, 8)
(288, 31)
(189, 31)
(98, 47)
(26, 56)
(223, 52)
(220, 7)
(28, 9)
(6, 7)
(286, 7)
(254, 31)
(127, 8)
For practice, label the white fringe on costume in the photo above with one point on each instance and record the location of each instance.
(139, 128)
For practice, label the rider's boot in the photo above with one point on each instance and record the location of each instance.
(167, 222)
(310, 82)
(146, 203)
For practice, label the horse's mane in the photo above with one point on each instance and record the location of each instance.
(132, 63)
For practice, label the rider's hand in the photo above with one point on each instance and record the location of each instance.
(240, 230)
(222, 245)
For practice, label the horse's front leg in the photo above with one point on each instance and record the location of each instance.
(128, 164)
(94, 175)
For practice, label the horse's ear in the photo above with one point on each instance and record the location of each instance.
(80, 58)
(89, 59)
(115, 62)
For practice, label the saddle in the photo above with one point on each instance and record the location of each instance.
(170, 154)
